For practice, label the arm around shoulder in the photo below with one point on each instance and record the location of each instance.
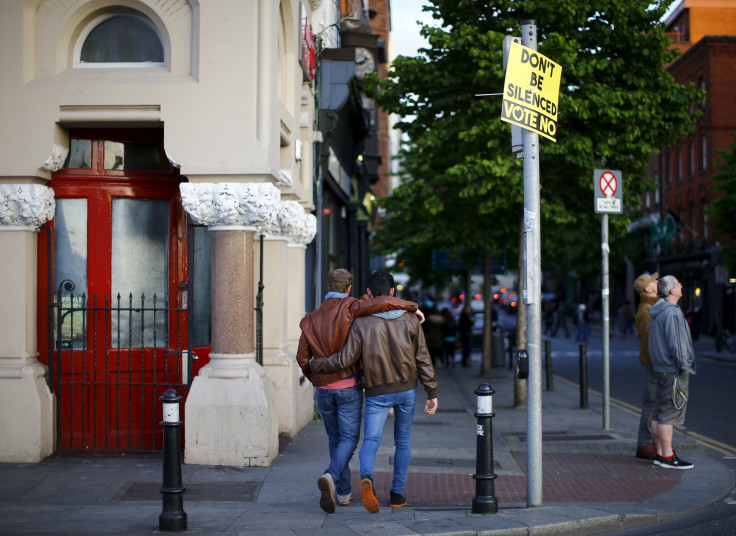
(348, 356)
(381, 304)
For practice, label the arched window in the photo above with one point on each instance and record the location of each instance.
(122, 40)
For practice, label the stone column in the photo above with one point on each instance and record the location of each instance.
(230, 412)
(26, 403)
(283, 286)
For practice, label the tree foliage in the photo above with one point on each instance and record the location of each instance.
(462, 189)
(721, 210)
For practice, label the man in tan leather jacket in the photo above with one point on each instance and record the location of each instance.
(339, 393)
(394, 353)
(646, 287)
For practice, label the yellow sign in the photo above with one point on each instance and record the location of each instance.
(530, 91)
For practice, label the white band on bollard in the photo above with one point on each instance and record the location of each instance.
(171, 412)
(485, 404)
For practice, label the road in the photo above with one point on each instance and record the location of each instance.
(710, 407)
(710, 412)
(709, 418)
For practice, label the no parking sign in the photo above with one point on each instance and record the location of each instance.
(608, 188)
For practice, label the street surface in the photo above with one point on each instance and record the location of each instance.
(709, 409)
(710, 414)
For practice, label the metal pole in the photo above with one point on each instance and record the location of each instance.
(259, 307)
(173, 518)
(532, 296)
(583, 377)
(484, 501)
(604, 315)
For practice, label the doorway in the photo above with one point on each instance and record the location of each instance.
(120, 302)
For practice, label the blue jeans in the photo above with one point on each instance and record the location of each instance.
(376, 411)
(340, 409)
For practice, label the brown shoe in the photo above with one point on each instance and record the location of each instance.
(329, 495)
(368, 498)
(648, 452)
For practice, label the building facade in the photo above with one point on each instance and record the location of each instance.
(679, 239)
(146, 148)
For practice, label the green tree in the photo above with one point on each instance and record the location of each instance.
(721, 209)
(462, 188)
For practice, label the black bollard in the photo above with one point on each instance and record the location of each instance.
(548, 363)
(173, 518)
(484, 501)
(583, 377)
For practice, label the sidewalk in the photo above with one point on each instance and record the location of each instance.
(591, 480)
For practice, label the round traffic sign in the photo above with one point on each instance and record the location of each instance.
(608, 184)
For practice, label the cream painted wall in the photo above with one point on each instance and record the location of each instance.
(26, 403)
(18, 288)
(215, 97)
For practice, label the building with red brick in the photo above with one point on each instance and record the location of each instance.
(680, 239)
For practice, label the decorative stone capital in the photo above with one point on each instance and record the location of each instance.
(25, 206)
(231, 203)
(305, 231)
(290, 218)
(56, 160)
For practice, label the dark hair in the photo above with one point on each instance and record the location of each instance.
(380, 283)
(339, 280)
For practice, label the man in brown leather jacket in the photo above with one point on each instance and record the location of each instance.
(392, 348)
(339, 393)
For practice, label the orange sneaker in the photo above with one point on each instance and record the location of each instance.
(368, 498)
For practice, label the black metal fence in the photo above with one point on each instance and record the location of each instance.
(112, 360)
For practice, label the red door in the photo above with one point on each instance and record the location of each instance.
(120, 321)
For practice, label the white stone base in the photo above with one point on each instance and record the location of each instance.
(295, 400)
(231, 420)
(26, 414)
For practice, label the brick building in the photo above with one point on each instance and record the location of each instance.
(680, 240)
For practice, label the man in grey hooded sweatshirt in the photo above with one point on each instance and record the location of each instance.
(673, 360)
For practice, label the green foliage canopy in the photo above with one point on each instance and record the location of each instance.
(461, 186)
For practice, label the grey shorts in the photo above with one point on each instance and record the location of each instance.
(672, 394)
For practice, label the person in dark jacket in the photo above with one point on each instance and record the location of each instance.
(465, 329)
(394, 354)
(339, 393)
(449, 333)
(433, 332)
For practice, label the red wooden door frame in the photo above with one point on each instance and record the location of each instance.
(99, 187)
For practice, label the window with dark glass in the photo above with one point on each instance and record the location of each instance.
(117, 155)
(123, 39)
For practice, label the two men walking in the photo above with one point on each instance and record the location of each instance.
(339, 393)
(394, 355)
(386, 354)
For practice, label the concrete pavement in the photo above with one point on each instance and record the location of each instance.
(591, 480)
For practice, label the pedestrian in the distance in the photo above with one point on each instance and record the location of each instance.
(465, 329)
(583, 319)
(449, 333)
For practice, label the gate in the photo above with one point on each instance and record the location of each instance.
(113, 359)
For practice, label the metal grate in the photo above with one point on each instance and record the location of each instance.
(113, 359)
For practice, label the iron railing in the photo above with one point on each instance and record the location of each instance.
(113, 360)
